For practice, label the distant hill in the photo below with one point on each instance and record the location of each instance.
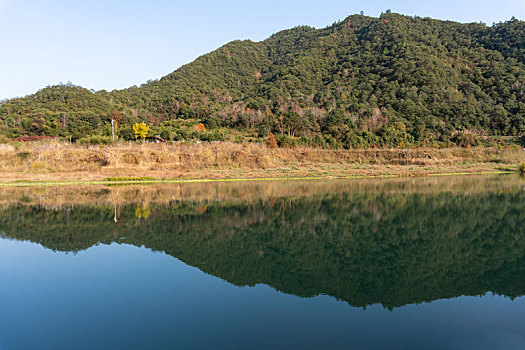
(388, 81)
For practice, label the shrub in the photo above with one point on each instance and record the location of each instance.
(23, 155)
(95, 140)
(210, 136)
(331, 142)
(199, 127)
(465, 140)
(263, 131)
(213, 123)
(126, 133)
(165, 134)
(181, 135)
(521, 168)
(286, 141)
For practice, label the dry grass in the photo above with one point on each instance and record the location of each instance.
(63, 161)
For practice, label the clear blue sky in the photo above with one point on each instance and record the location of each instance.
(118, 43)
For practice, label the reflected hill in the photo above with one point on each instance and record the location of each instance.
(392, 242)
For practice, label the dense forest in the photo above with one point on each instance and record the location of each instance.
(363, 247)
(392, 81)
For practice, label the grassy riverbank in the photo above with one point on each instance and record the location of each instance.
(132, 163)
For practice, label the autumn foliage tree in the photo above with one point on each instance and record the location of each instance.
(199, 127)
(271, 142)
(116, 116)
(140, 130)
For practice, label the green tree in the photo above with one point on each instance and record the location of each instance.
(294, 124)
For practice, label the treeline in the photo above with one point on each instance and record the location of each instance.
(394, 81)
(362, 247)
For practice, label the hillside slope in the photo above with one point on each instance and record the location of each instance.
(392, 80)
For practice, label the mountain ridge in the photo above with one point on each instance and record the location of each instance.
(360, 82)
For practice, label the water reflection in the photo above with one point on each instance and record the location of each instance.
(392, 242)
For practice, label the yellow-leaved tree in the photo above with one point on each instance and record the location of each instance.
(140, 130)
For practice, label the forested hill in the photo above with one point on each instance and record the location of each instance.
(388, 81)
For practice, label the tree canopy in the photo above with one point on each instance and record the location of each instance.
(352, 84)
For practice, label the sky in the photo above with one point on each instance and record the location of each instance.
(114, 44)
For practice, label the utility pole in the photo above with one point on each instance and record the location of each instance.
(113, 130)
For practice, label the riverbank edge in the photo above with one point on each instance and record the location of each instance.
(36, 183)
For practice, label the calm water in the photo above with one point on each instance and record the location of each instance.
(400, 264)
